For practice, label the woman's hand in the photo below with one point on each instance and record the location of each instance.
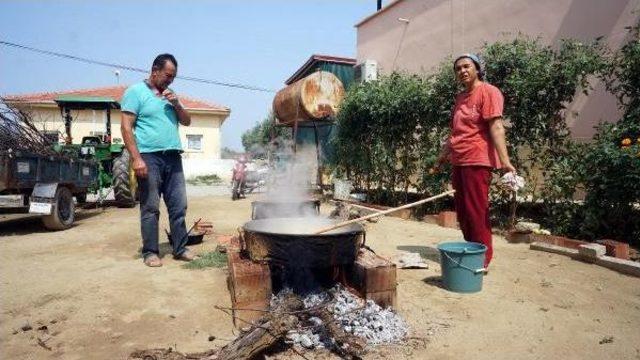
(508, 167)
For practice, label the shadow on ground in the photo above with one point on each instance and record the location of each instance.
(32, 224)
(435, 280)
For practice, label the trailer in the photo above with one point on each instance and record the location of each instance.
(45, 185)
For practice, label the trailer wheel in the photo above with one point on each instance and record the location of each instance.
(62, 212)
(125, 184)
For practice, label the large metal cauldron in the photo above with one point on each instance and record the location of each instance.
(291, 242)
(265, 209)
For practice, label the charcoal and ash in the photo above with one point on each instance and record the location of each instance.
(356, 316)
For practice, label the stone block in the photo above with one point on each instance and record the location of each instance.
(620, 265)
(372, 277)
(616, 249)
(448, 219)
(372, 273)
(591, 252)
(627, 267)
(561, 250)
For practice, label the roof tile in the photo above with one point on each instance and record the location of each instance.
(114, 92)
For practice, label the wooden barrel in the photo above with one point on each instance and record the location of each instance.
(314, 97)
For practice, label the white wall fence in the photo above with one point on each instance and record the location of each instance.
(196, 167)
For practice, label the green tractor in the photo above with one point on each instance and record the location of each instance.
(114, 161)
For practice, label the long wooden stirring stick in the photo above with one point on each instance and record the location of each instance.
(384, 212)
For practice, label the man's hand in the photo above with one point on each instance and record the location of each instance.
(183, 116)
(140, 167)
(171, 97)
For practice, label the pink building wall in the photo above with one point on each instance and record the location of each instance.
(437, 29)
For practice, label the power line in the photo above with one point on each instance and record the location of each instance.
(131, 68)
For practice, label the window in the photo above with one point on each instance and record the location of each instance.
(194, 142)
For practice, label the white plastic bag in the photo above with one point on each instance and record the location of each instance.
(511, 181)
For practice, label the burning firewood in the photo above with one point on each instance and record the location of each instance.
(288, 315)
(266, 333)
(347, 345)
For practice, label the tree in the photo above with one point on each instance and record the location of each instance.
(228, 153)
(538, 82)
(389, 131)
(256, 139)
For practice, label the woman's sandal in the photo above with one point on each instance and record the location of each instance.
(152, 261)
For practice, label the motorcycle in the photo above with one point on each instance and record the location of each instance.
(246, 181)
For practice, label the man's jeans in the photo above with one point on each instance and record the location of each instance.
(165, 177)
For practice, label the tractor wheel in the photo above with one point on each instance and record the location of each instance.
(125, 184)
(81, 198)
(62, 211)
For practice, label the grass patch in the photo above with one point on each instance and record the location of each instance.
(213, 259)
(212, 179)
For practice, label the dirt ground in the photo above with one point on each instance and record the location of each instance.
(97, 300)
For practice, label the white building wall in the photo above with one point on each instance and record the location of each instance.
(205, 161)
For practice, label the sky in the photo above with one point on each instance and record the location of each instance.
(257, 43)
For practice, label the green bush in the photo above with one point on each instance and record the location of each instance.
(612, 184)
(607, 170)
(538, 81)
(389, 132)
(388, 136)
(212, 179)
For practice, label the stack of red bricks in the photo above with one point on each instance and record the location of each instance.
(616, 248)
(373, 278)
(249, 284)
(448, 219)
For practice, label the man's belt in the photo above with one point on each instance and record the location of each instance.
(168, 152)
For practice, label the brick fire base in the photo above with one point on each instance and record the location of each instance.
(373, 278)
(249, 284)
(370, 277)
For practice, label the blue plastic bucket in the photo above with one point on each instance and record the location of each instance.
(462, 265)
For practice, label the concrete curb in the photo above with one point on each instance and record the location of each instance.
(620, 265)
(626, 267)
(541, 246)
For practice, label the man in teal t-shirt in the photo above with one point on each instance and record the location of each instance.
(151, 115)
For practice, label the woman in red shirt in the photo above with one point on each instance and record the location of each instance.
(476, 146)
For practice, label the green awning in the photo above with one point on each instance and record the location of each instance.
(80, 102)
